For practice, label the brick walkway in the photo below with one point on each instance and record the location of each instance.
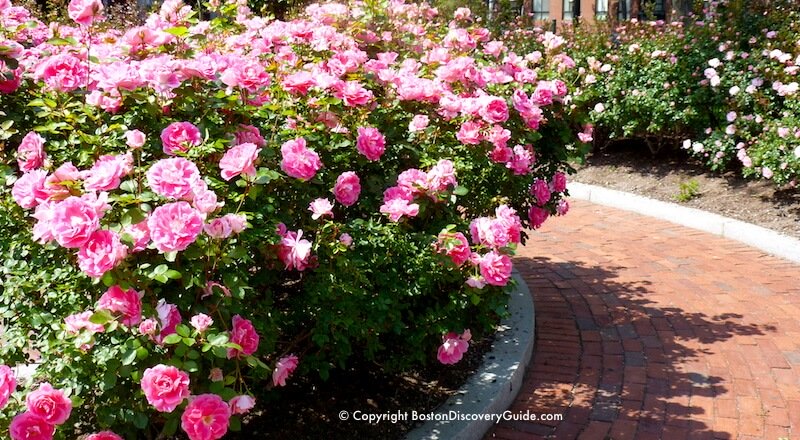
(648, 330)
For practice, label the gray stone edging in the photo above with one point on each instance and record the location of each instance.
(764, 239)
(495, 385)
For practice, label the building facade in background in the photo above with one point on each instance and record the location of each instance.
(591, 10)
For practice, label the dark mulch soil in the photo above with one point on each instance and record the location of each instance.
(629, 166)
(309, 408)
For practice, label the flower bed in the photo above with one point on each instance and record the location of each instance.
(196, 208)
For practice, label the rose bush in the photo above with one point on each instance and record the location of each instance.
(195, 207)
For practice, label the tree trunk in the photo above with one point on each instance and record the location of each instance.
(636, 8)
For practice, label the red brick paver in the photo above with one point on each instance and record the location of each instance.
(649, 330)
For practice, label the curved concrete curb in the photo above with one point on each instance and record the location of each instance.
(495, 385)
(765, 239)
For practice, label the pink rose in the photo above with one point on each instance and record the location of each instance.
(179, 137)
(216, 375)
(28, 190)
(496, 268)
(283, 369)
(8, 383)
(559, 183)
(541, 191)
(397, 208)
(493, 109)
(453, 347)
(173, 178)
(218, 228)
(469, 133)
(294, 251)
(148, 327)
(101, 253)
(442, 176)
(455, 246)
(63, 73)
(30, 153)
(28, 426)
(418, 123)
(174, 226)
(298, 161)
(353, 94)
(346, 239)
(239, 160)
(134, 139)
(370, 143)
(73, 223)
(203, 199)
(537, 216)
(562, 207)
(169, 317)
(50, 404)
(249, 134)
(347, 188)
(298, 83)
(201, 322)
(238, 222)
(127, 303)
(521, 161)
(105, 435)
(244, 334)
(320, 208)
(521, 102)
(84, 12)
(55, 187)
(79, 321)
(140, 236)
(165, 387)
(206, 417)
(543, 95)
(107, 172)
(242, 404)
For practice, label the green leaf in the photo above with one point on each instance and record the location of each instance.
(140, 420)
(170, 256)
(460, 191)
(128, 357)
(101, 317)
(218, 339)
(170, 428)
(109, 380)
(188, 341)
(191, 366)
(183, 330)
(173, 274)
(235, 424)
(178, 31)
(172, 339)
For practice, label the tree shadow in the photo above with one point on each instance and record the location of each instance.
(614, 363)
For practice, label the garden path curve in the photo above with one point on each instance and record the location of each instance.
(649, 330)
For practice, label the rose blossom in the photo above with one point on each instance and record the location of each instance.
(8, 383)
(28, 190)
(294, 251)
(453, 347)
(397, 208)
(418, 123)
(370, 143)
(107, 172)
(148, 327)
(139, 234)
(165, 387)
(244, 334)
(169, 317)
(105, 435)
(218, 228)
(28, 426)
(206, 417)
(242, 404)
(50, 404)
(283, 369)
(298, 161)
(496, 268)
(541, 191)
(84, 12)
(346, 239)
(249, 134)
(347, 188)
(134, 139)
(493, 109)
(173, 178)
(537, 216)
(55, 185)
(469, 133)
(73, 222)
(79, 321)
(30, 153)
(559, 183)
(174, 226)
(455, 246)
(239, 159)
(127, 303)
(63, 72)
(216, 375)
(201, 322)
(178, 137)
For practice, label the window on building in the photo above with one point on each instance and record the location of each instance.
(601, 10)
(541, 9)
(624, 12)
(569, 7)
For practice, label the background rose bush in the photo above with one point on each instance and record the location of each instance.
(194, 209)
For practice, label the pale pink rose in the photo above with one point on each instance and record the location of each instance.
(242, 404)
(541, 190)
(201, 322)
(347, 188)
(299, 83)
(134, 139)
(148, 327)
(766, 172)
(28, 426)
(521, 160)
(179, 137)
(543, 95)
(537, 216)
(203, 199)
(249, 134)
(206, 417)
(219, 228)
(414, 180)
(442, 176)
(174, 226)
(453, 347)
(352, 93)
(169, 317)
(80, 321)
(127, 303)
(238, 222)
(105, 435)
(50, 404)
(244, 334)
(346, 239)
(294, 251)
(140, 236)
(55, 186)
(107, 172)
(493, 109)
(495, 233)
(498, 136)
(298, 161)
(165, 387)
(30, 153)
(563, 207)
(73, 222)
(216, 375)
(101, 253)
(320, 208)
(508, 219)
(8, 384)
(173, 178)
(419, 123)
(521, 102)
(28, 190)
(239, 159)
(397, 208)
(455, 246)
(469, 133)
(496, 268)
(476, 282)
(370, 143)
(283, 369)
(85, 12)
(63, 72)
